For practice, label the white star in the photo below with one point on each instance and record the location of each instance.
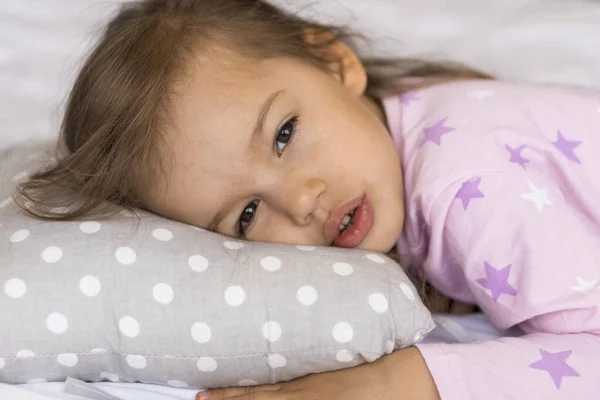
(585, 286)
(481, 94)
(539, 196)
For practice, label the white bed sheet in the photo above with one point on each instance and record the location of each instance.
(451, 329)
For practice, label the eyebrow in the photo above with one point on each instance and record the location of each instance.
(257, 132)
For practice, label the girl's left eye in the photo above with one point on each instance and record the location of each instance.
(285, 134)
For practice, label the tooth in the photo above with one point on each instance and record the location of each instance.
(346, 220)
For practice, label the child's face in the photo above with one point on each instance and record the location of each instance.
(273, 186)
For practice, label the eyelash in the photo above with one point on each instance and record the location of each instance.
(253, 205)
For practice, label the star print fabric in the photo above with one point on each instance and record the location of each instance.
(502, 198)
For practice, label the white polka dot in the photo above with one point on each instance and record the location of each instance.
(136, 362)
(378, 303)
(57, 323)
(90, 227)
(408, 292)
(163, 293)
(164, 235)
(198, 263)
(52, 254)
(271, 331)
(201, 332)
(89, 285)
(207, 364)
(25, 353)
(21, 176)
(233, 245)
(98, 350)
(342, 332)
(125, 255)
(342, 268)
(110, 377)
(19, 236)
(15, 288)
(306, 248)
(177, 384)
(376, 258)
(270, 263)
(68, 360)
(389, 347)
(276, 361)
(129, 326)
(344, 356)
(307, 295)
(2, 363)
(247, 382)
(235, 296)
(37, 380)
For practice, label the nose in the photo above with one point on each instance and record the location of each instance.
(299, 199)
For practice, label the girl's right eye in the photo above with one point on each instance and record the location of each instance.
(246, 218)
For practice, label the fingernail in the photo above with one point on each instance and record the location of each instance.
(202, 396)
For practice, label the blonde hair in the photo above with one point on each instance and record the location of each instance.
(115, 115)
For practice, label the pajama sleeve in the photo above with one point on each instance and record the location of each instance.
(531, 258)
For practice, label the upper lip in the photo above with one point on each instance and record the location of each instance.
(332, 227)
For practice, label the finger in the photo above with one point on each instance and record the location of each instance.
(219, 394)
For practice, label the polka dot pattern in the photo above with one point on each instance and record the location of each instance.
(90, 227)
(109, 376)
(201, 332)
(376, 258)
(235, 296)
(67, 360)
(52, 254)
(164, 235)
(98, 350)
(343, 269)
(343, 332)
(25, 353)
(345, 356)
(198, 263)
(129, 326)
(233, 245)
(136, 362)
(19, 236)
(408, 292)
(125, 255)
(57, 323)
(207, 364)
(271, 264)
(90, 286)
(15, 288)
(163, 293)
(276, 361)
(378, 303)
(272, 331)
(307, 295)
(247, 382)
(306, 248)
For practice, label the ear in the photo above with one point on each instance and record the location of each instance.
(342, 61)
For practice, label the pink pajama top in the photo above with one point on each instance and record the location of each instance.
(502, 202)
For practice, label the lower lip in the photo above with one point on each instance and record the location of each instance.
(360, 228)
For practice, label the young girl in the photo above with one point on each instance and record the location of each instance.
(236, 117)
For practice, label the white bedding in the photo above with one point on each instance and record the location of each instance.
(450, 330)
(42, 41)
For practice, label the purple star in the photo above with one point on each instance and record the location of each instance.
(408, 98)
(515, 155)
(434, 133)
(567, 147)
(496, 281)
(556, 365)
(469, 191)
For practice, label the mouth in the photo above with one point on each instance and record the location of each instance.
(350, 224)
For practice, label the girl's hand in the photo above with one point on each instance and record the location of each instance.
(402, 375)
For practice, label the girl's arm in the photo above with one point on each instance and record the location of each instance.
(401, 375)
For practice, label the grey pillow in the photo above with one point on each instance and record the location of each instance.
(157, 301)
